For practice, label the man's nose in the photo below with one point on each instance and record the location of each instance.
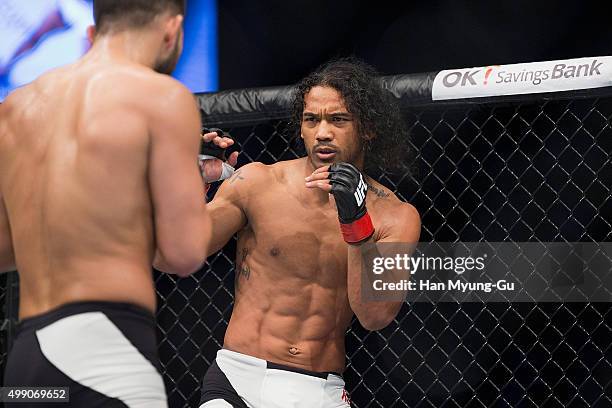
(324, 131)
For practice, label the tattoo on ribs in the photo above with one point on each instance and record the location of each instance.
(242, 269)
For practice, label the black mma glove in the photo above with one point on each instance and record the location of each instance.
(211, 149)
(349, 190)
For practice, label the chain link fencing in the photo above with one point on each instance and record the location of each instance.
(535, 170)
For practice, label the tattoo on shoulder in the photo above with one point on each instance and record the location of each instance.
(236, 176)
(379, 192)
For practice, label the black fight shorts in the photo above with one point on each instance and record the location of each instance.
(104, 352)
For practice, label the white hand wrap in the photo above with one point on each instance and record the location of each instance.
(226, 172)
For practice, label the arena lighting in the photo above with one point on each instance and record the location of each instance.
(39, 35)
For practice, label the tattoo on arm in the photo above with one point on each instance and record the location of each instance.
(379, 192)
(236, 176)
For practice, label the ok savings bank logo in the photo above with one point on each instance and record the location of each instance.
(467, 77)
(534, 74)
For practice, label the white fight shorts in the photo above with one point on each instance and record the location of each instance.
(237, 380)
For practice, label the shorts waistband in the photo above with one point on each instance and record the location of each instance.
(73, 308)
(245, 358)
(319, 374)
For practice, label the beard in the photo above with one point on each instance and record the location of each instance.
(166, 66)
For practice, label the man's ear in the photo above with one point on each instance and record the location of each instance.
(91, 34)
(173, 30)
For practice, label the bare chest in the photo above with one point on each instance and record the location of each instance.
(296, 238)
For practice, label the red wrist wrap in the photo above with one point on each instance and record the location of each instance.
(358, 231)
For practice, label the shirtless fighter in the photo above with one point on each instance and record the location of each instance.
(99, 178)
(300, 224)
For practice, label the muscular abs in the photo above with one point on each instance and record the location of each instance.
(291, 295)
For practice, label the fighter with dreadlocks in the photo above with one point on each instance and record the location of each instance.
(300, 225)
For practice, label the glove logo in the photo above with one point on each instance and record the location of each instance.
(361, 190)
